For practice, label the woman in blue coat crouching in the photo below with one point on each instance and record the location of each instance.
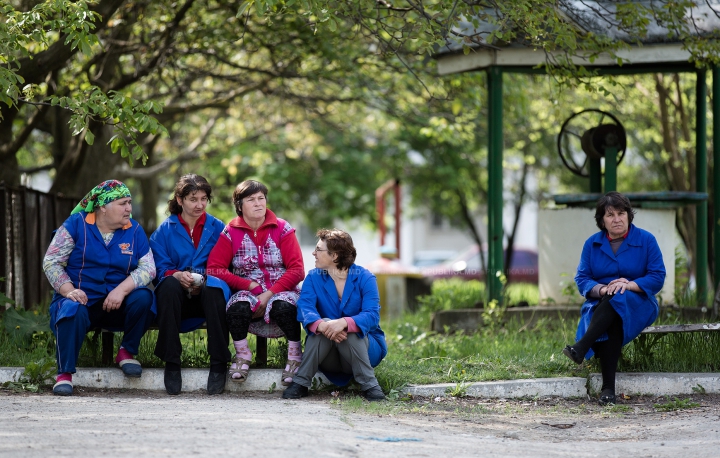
(339, 307)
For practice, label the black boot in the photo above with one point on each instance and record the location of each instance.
(295, 391)
(173, 381)
(216, 382)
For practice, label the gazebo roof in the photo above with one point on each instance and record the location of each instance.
(660, 46)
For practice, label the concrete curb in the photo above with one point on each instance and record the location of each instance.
(653, 383)
(152, 379)
(566, 387)
(660, 383)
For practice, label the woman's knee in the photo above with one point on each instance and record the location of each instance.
(169, 286)
(241, 309)
(140, 299)
(283, 309)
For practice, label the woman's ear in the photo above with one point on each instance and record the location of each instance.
(178, 199)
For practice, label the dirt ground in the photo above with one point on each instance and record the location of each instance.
(133, 423)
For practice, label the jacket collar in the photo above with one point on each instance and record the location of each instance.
(330, 284)
(632, 239)
(270, 220)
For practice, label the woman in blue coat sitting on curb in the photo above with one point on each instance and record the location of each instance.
(186, 296)
(99, 263)
(339, 307)
(621, 270)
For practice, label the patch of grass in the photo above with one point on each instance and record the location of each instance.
(35, 377)
(676, 404)
(618, 408)
(451, 294)
(458, 391)
(679, 352)
(521, 294)
(29, 340)
(508, 351)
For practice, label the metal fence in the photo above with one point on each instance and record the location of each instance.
(28, 218)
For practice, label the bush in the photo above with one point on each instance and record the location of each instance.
(452, 294)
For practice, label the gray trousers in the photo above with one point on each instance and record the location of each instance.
(349, 357)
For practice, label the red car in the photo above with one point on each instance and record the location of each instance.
(523, 266)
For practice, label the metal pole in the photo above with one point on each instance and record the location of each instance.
(495, 187)
(398, 218)
(716, 179)
(595, 172)
(701, 186)
(610, 169)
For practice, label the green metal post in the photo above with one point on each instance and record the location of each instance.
(495, 188)
(595, 172)
(610, 169)
(716, 178)
(701, 186)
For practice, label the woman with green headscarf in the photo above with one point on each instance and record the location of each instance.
(99, 263)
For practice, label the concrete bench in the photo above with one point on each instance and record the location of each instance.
(108, 345)
(676, 328)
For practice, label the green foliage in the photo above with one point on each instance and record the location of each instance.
(395, 394)
(418, 356)
(36, 375)
(617, 408)
(25, 34)
(521, 294)
(458, 391)
(699, 389)
(453, 294)
(676, 404)
(674, 352)
(684, 295)
(3, 298)
(26, 327)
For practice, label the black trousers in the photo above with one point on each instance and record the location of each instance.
(604, 320)
(284, 314)
(173, 306)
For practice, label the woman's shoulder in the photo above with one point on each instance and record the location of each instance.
(172, 219)
(213, 221)
(639, 234)
(360, 272)
(75, 218)
(135, 226)
(316, 275)
(597, 236)
(237, 224)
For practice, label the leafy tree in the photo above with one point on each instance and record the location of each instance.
(283, 90)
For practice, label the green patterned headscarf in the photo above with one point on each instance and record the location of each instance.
(102, 194)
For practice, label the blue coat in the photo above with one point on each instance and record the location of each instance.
(638, 259)
(360, 301)
(95, 267)
(173, 249)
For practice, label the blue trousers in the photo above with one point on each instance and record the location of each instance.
(133, 318)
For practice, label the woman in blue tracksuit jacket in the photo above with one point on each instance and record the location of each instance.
(99, 263)
(339, 306)
(186, 297)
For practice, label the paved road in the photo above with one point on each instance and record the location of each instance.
(137, 424)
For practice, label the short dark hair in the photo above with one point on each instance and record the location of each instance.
(245, 189)
(186, 185)
(341, 243)
(615, 200)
